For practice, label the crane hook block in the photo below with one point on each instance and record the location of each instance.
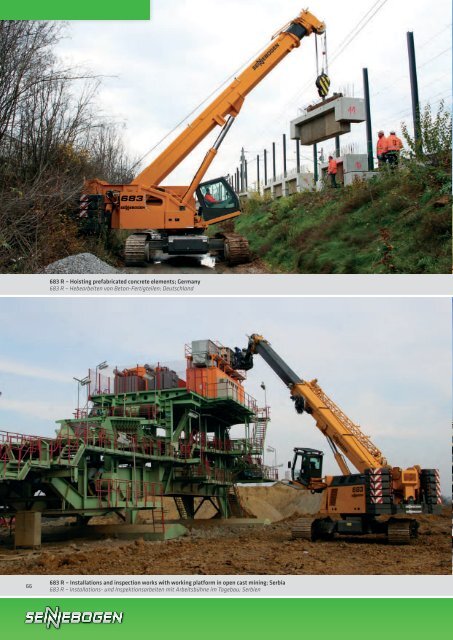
(323, 85)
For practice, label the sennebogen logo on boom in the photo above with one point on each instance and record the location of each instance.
(55, 618)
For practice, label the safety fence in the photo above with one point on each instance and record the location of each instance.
(146, 411)
(17, 449)
(115, 493)
(117, 440)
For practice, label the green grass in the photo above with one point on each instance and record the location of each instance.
(391, 224)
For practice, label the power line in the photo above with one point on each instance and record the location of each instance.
(431, 38)
(407, 111)
(435, 58)
(405, 77)
(374, 9)
(338, 53)
(359, 23)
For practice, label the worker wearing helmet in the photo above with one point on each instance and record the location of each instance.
(381, 148)
(332, 171)
(394, 146)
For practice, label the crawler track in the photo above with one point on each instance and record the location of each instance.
(135, 250)
(399, 532)
(236, 249)
(302, 529)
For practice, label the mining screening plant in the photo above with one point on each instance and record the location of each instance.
(145, 433)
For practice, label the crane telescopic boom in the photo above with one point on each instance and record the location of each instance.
(340, 431)
(230, 101)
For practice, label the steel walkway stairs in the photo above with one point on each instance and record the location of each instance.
(181, 508)
(234, 504)
(259, 431)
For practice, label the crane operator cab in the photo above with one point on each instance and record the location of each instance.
(306, 465)
(216, 199)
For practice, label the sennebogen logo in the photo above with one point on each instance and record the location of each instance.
(55, 618)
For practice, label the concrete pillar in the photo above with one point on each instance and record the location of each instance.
(28, 529)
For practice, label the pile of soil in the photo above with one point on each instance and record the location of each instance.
(278, 501)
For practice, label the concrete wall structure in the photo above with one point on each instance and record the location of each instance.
(293, 182)
(353, 176)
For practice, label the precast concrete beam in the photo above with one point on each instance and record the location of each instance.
(327, 120)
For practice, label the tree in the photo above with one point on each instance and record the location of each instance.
(51, 138)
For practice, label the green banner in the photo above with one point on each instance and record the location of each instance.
(78, 10)
(224, 619)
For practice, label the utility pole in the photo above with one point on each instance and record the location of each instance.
(414, 88)
(369, 130)
(265, 166)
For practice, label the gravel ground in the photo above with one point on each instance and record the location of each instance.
(80, 263)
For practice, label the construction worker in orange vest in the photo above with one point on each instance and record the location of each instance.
(332, 171)
(381, 149)
(394, 146)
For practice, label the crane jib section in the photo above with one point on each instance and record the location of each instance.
(335, 424)
(229, 102)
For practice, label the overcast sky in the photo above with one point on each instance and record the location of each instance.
(385, 362)
(162, 69)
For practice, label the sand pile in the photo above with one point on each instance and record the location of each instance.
(278, 501)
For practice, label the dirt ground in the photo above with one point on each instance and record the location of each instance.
(207, 265)
(239, 550)
(214, 549)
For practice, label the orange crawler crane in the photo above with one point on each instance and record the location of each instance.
(351, 502)
(173, 220)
